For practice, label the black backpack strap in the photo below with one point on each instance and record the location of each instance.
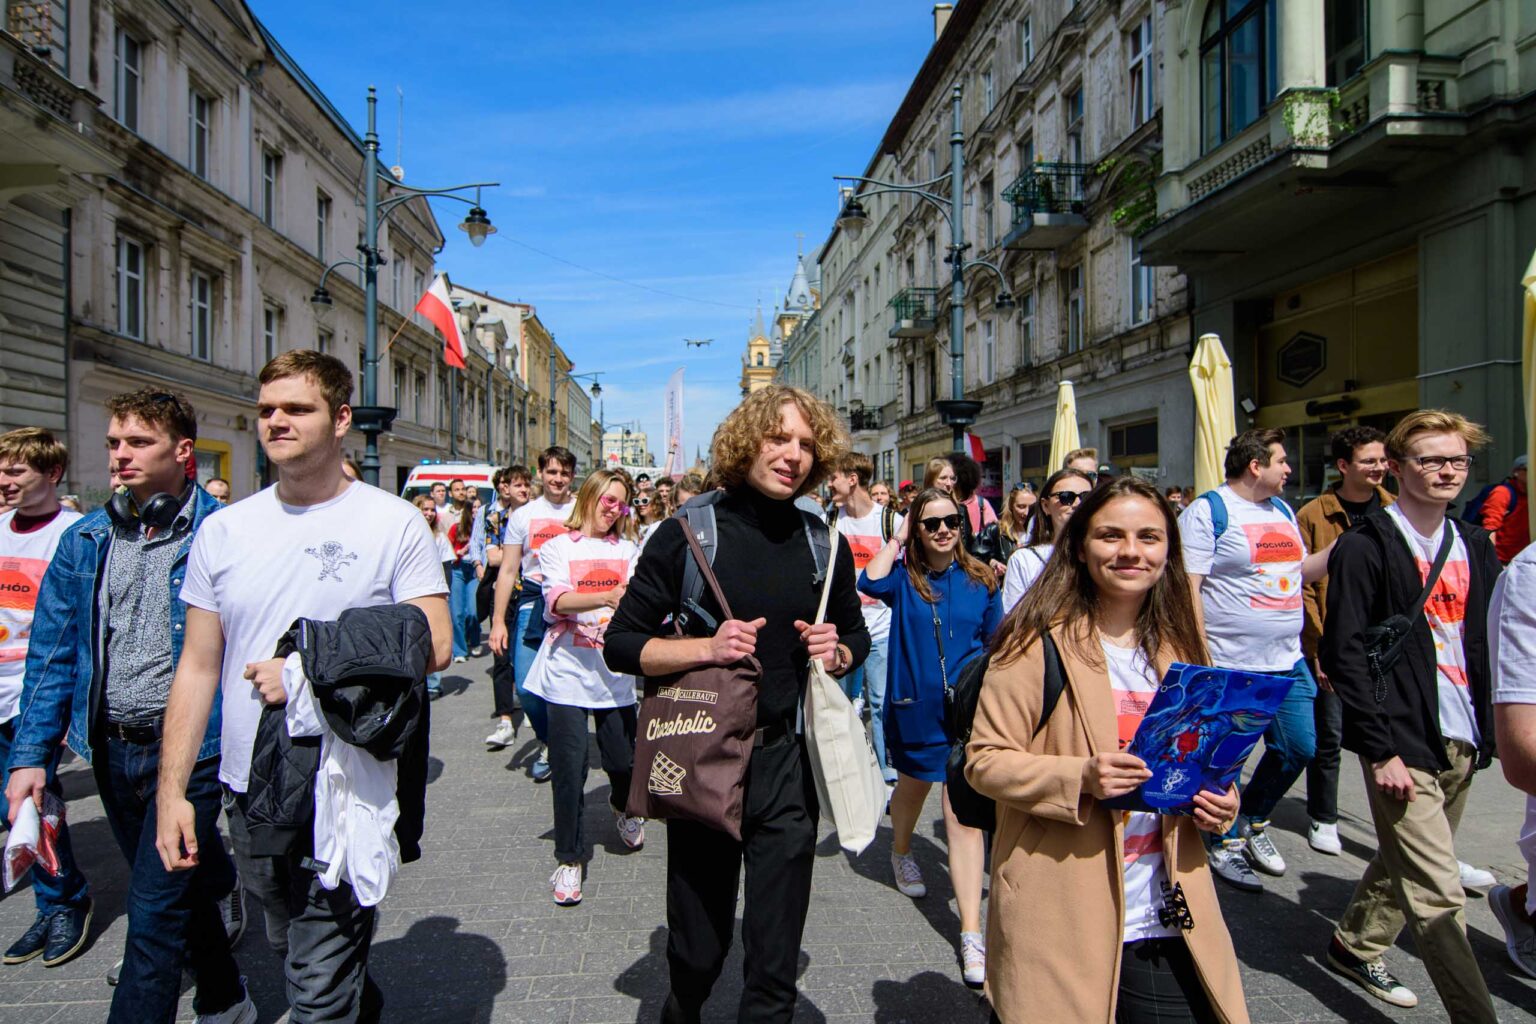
(887, 523)
(698, 521)
(1055, 681)
(819, 537)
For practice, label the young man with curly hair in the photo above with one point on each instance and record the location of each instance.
(778, 445)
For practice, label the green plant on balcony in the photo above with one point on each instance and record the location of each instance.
(1309, 117)
(1133, 195)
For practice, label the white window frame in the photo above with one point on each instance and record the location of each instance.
(199, 133)
(131, 285)
(988, 351)
(1073, 107)
(1143, 293)
(1141, 89)
(127, 79)
(1027, 328)
(419, 394)
(1027, 41)
(1072, 286)
(271, 331)
(322, 223)
(988, 212)
(271, 178)
(200, 314)
(988, 90)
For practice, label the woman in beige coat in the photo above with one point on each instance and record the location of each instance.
(1097, 914)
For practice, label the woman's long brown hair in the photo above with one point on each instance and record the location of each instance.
(1066, 592)
(917, 564)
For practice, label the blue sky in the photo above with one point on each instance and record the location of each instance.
(679, 146)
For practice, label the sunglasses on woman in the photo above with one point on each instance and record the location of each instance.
(932, 523)
(613, 505)
(642, 503)
(1066, 499)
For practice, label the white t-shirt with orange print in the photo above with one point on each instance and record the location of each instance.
(1446, 613)
(534, 525)
(569, 668)
(865, 541)
(1252, 590)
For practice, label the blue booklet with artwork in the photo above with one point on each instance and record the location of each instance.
(1198, 731)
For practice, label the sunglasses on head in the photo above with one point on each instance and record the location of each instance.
(1066, 499)
(932, 523)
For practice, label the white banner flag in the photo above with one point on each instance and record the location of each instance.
(672, 418)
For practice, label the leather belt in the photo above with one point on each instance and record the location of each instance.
(142, 733)
(772, 735)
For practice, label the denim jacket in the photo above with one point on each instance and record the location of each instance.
(65, 682)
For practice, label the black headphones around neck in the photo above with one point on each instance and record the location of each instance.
(159, 512)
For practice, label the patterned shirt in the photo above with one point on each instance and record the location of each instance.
(138, 618)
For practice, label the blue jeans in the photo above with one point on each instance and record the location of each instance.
(522, 660)
(173, 916)
(461, 605)
(871, 677)
(1289, 745)
(68, 888)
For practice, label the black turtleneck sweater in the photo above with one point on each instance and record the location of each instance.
(765, 569)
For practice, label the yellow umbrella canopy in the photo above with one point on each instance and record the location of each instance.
(1064, 433)
(1215, 417)
(1528, 355)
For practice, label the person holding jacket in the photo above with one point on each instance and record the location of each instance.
(1422, 724)
(1098, 915)
(944, 609)
(585, 573)
(1360, 456)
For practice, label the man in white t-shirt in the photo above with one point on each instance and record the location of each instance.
(1512, 652)
(1248, 563)
(1420, 720)
(32, 462)
(528, 530)
(866, 526)
(311, 546)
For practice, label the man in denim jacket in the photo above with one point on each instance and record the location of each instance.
(105, 641)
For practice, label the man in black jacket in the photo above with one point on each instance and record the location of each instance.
(776, 446)
(1423, 729)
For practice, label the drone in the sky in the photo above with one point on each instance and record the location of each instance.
(696, 342)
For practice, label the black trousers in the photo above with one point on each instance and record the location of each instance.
(1159, 985)
(778, 846)
(568, 760)
(1323, 772)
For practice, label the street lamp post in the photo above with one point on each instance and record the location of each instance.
(957, 411)
(554, 377)
(370, 417)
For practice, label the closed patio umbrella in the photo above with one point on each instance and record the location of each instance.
(1064, 433)
(1528, 367)
(1210, 372)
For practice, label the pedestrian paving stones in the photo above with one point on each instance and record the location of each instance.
(469, 933)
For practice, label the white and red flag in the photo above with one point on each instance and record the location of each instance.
(437, 307)
(975, 449)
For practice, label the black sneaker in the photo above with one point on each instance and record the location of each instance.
(67, 932)
(31, 942)
(232, 911)
(1372, 976)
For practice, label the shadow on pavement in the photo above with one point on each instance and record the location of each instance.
(928, 996)
(435, 971)
(647, 980)
(875, 864)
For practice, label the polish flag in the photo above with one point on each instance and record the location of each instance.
(438, 308)
(975, 448)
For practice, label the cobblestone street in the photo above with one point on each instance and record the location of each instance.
(469, 933)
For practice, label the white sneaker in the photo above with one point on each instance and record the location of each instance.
(1261, 850)
(909, 877)
(973, 958)
(1519, 935)
(1324, 839)
(1475, 878)
(503, 735)
(858, 706)
(631, 830)
(566, 883)
(243, 1012)
(459, 659)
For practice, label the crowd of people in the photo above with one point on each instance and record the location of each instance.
(213, 659)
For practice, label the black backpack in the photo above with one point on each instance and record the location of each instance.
(970, 807)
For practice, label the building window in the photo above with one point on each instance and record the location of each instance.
(1237, 67)
(1027, 328)
(397, 280)
(988, 351)
(933, 377)
(932, 252)
(419, 281)
(1143, 97)
(271, 168)
(202, 315)
(1033, 459)
(988, 209)
(1344, 23)
(1072, 290)
(1074, 114)
(1141, 286)
(199, 119)
(127, 79)
(1133, 445)
(1026, 153)
(325, 341)
(271, 332)
(1026, 41)
(988, 91)
(322, 224)
(911, 386)
(419, 397)
(130, 288)
(399, 376)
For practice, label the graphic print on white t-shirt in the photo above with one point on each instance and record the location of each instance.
(1446, 614)
(1252, 594)
(865, 540)
(260, 564)
(533, 526)
(24, 559)
(1132, 684)
(569, 668)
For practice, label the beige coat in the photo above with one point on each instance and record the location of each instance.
(1056, 919)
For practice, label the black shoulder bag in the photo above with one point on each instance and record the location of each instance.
(1384, 641)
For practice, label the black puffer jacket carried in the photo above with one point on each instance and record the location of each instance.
(368, 673)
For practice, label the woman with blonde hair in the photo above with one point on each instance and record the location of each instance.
(944, 609)
(939, 474)
(1150, 945)
(585, 573)
(999, 539)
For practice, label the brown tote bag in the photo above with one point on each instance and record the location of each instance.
(694, 736)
